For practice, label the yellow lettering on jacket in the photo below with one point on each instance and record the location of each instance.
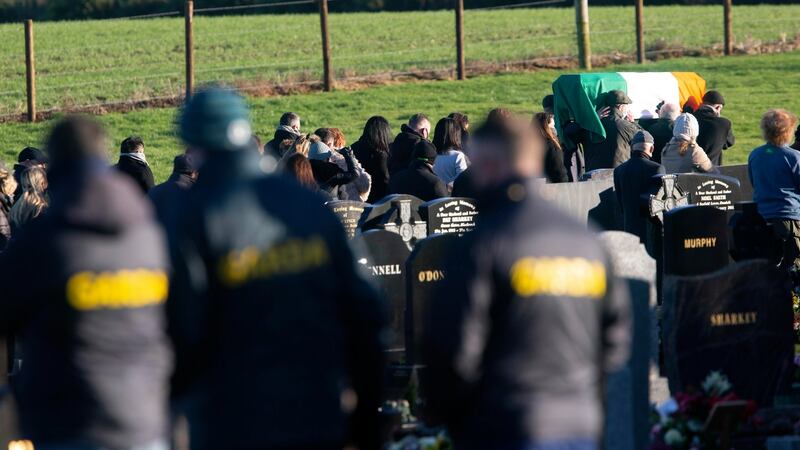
(564, 277)
(129, 288)
(286, 258)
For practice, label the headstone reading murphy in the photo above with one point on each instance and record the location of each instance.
(737, 321)
(383, 255)
(449, 215)
(628, 390)
(425, 269)
(695, 240)
(349, 213)
(398, 214)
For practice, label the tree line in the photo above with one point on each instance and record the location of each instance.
(16, 10)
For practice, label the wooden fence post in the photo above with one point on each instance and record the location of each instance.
(30, 71)
(460, 66)
(326, 46)
(640, 55)
(582, 23)
(188, 19)
(728, 18)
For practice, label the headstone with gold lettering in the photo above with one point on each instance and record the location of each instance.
(449, 215)
(425, 269)
(695, 240)
(349, 213)
(737, 321)
(383, 255)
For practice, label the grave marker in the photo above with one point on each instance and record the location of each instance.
(398, 214)
(425, 269)
(382, 254)
(695, 240)
(349, 213)
(737, 321)
(449, 215)
(592, 200)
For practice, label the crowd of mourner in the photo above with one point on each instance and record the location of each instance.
(228, 294)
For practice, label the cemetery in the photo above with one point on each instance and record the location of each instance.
(712, 314)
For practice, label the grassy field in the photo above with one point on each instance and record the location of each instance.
(92, 62)
(751, 84)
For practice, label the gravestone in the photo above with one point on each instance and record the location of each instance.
(695, 240)
(598, 175)
(694, 189)
(752, 237)
(349, 213)
(586, 201)
(425, 269)
(740, 172)
(737, 321)
(382, 254)
(628, 390)
(449, 215)
(398, 214)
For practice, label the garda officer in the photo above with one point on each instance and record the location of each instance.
(276, 335)
(620, 128)
(529, 315)
(84, 286)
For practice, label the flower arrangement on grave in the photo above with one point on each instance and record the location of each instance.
(796, 309)
(679, 423)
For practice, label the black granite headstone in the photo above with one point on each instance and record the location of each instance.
(740, 172)
(752, 237)
(695, 189)
(383, 255)
(695, 240)
(592, 200)
(349, 212)
(449, 215)
(425, 269)
(398, 214)
(737, 321)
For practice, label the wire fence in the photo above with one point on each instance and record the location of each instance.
(141, 60)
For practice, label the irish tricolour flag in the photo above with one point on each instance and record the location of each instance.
(578, 96)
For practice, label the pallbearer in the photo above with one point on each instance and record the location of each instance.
(84, 287)
(529, 316)
(278, 340)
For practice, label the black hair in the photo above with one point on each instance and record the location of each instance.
(289, 117)
(132, 144)
(447, 135)
(325, 134)
(377, 134)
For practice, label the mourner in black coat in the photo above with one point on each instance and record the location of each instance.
(418, 179)
(716, 133)
(133, 163)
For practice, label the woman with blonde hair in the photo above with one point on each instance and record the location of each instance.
(774, 170)
(7, 187)
(682, 154)
(33, 200)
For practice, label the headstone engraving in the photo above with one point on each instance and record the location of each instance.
(737, 321)
(694, 189)
(668, 197)
(382, 254)
(695, 240)
(398, 214)
(628, 390)
(349, 213)
(425, 269)
(449, 215)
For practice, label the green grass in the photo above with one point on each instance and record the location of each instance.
(751, 84)
(91, 62)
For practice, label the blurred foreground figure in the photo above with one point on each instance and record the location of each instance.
(529, 316)
(83, 289)
(276, 335)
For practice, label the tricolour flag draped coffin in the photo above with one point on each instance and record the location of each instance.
(578, 96)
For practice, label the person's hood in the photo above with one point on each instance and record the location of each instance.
(137, 157)
(285, 132)
(407, 130)
(90, 197)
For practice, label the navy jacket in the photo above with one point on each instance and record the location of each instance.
(633, 183)
(83, 289)
(271, 322)
(527, 320)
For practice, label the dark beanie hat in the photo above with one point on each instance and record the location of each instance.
(548, 102)
(713, 98)
(425, 150)
(181, 165)
(31, 154)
